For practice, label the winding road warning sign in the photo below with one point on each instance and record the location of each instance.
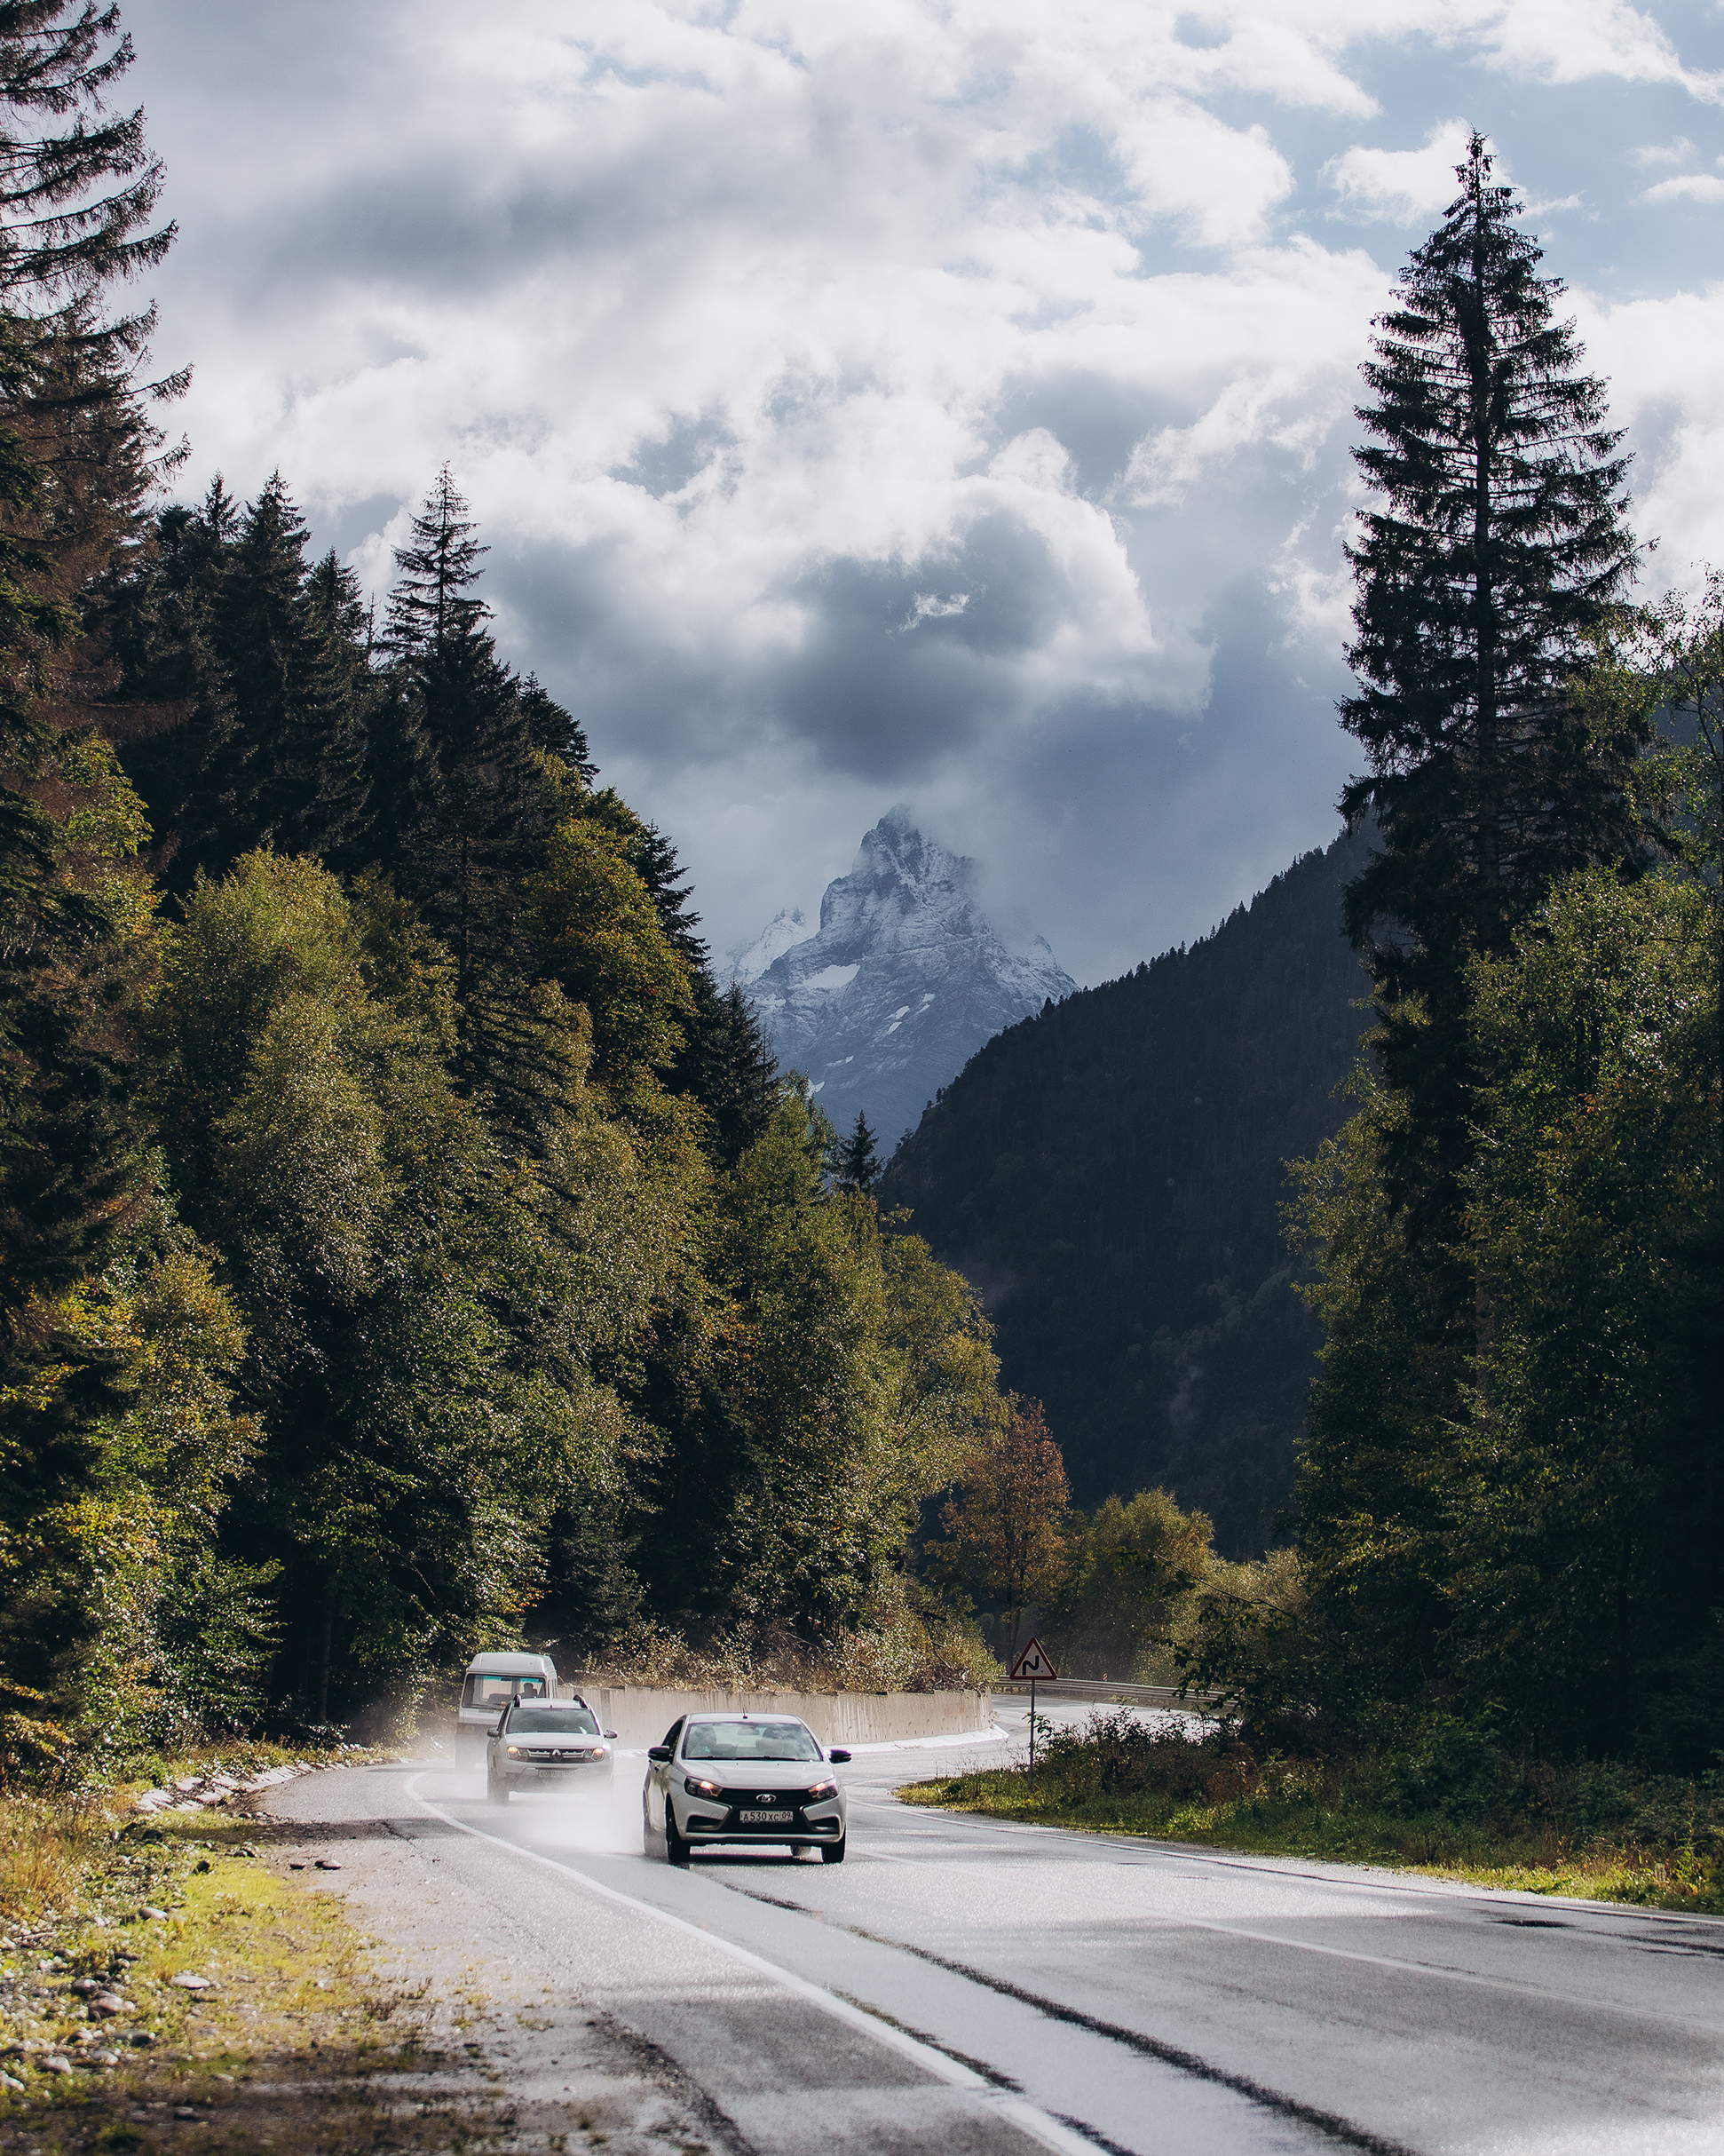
(1033, 1663)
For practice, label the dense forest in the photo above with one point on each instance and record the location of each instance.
(404, 1246)
(1111, 1175)
(1509, 1496)
(403, 1243)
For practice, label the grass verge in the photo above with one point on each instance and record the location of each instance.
(1600, 1831)
(290, 2039)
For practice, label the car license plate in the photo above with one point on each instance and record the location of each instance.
(762, 1818)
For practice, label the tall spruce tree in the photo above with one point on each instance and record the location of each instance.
(473, 804)
(330, 818)
(77, 195)
(727, 1064)
(75, 201)
(555, 730)
(1494, 546)
(855, 1161)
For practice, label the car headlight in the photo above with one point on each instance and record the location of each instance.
(823, 1788)
(515, 1751)
(702, 1789)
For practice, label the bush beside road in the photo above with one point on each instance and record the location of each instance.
(1441, 1803)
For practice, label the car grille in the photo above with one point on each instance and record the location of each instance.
(784, 1805)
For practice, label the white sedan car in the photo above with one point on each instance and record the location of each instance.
(742, 1778)
(548, 1744)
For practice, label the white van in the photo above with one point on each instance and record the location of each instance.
(492, 1680)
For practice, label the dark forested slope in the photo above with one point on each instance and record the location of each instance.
(1110, 1175)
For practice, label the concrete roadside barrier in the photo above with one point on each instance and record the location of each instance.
(641, 1714)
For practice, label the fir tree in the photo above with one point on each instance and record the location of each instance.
(63, 230)
(478, 800)
(267, 663)
(76, 448)
(856, 1164)
(433, 612)
(342, 692)
(728, 1067)
(187, 752)
(550, 727)
(1493, 550)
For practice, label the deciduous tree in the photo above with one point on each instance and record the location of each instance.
(1005, 1524)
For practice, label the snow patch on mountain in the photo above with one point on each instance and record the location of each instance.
(903, 981)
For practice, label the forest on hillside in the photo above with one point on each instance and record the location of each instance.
(406, 1248)
(404, 1245)
(1111, 1176)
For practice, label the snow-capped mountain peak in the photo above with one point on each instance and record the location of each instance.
(903, 980)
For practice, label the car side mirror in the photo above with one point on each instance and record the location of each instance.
(611, 1734)
(839, 1759)
(657, 1751)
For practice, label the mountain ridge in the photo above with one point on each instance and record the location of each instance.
(1108, 1176)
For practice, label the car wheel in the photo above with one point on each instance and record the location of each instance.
(495, 1789)
(833, 1852)
(676, 1849)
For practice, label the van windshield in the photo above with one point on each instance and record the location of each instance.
(749, 1740)
(494, 1691)
(566, 1721)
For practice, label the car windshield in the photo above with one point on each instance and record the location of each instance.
(749, 1740)
(566, 1721)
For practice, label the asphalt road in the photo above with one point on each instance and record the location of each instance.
(962, 1985)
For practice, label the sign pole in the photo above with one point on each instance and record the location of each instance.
(1027, 1667)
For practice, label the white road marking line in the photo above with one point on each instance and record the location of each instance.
(1479, 1982)
(1368, 1878)
(1026, 2116)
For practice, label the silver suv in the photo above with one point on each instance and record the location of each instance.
(742, 1778)
(548, 1744)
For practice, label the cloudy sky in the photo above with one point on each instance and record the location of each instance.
(936, 400)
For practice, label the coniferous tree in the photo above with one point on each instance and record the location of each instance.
(857, 1163)
(557, 732)
(75, 449)
(481, 802)
(342, 695)
(267, 662)
(185, 750)
(64, 230)
(727, 1064)
(1493, 550)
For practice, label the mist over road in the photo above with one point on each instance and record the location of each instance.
(960, 1984)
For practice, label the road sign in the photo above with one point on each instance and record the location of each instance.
(1033, 1663)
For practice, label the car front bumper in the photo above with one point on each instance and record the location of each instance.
(804, 1826)
(555, 1774)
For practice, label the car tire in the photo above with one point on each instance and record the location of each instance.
(496, 1791)
(833, 1852)
(675, 1850)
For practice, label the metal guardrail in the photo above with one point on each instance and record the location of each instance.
(1100, 1688)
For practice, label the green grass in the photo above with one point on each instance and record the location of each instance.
(296, 2047)
(1452, 1808)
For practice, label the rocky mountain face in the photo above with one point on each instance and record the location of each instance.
(903, 981)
